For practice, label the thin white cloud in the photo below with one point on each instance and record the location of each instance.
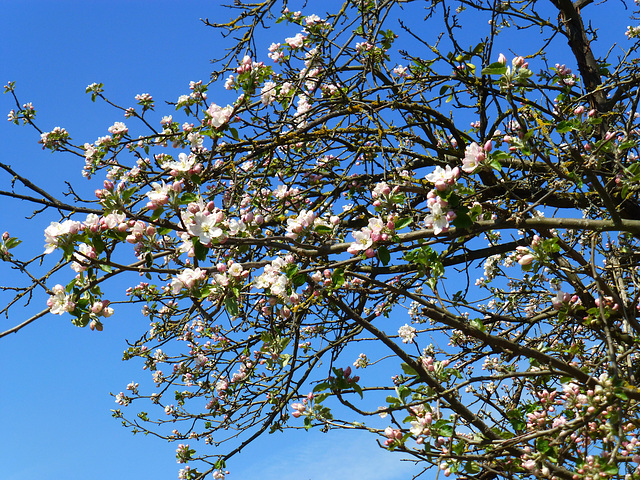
(331, 456)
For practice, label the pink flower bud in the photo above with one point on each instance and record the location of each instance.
(526, 260)
(97, 307)
(488, 145)
(502, 59)
(193, 208)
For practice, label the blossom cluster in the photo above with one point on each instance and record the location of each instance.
(367, 237)
(54, 139)
(60, 302)
(275, 280)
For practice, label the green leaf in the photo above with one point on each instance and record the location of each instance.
(81, 321)
(462, 220)
(188, 197)
(98, 244)
(403, 392)
(291, 269)
(105, 268)
(471, 467)
(231, 305)
(199, 249)
(358, 390)
(12, 242)
(543, 445)
(384, 255)
(67, 252)
(234, 134)
(500, 155)
(496, 68)
(445, 430)
(495, 164)
(565, 126)
(205, 291)
(299, 279)
(400, 223)
(477, 323)
(620, 394)
(627, 144)
(156, 213)
(320, 387)
(408, 370)
(337, 278)
(323, 229)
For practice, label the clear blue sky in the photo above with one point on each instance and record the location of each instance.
(54, 402)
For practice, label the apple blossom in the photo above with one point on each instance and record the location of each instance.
(187, 279)
(295, 42)
(60, 302)
(473, 157)
(407, 333)
(206, 228)
(219, 116)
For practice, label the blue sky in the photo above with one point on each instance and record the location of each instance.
(54, 402)
(54, 394)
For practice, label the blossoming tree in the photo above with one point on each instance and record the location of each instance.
(468, 221)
